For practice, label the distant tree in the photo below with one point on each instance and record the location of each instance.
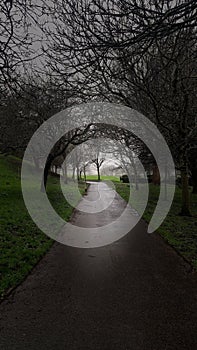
(98, 163)
(64, 145)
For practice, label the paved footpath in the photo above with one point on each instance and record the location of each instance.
(134, 294)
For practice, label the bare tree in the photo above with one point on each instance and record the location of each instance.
(132, 52)
(25, 109)
(18, 38)
(86, 36)
(98, 163)
(165, 79)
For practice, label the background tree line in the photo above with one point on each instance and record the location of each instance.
(138, 53)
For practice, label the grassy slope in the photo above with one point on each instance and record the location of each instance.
(178, 231)
(22, 244)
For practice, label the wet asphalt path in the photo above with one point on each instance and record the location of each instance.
(136, 293)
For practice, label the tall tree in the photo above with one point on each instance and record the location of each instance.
(129, 52)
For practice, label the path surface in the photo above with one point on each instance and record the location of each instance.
(135, 294)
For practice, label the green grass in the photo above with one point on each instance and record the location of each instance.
(103, 178)
(22, 244)
(178, 231)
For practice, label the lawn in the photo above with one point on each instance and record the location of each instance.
(178, 231)
(22, 244)
(103, 178)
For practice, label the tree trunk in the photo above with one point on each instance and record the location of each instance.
(65, 174)
(84, 171)
(98, 172)
(36, 163)
(194, 191)
(73, 175)
(46, 172)
(135, 172)
(156, 176)
(194, 179)
(185, 209)
(78, 174)
(165, 181)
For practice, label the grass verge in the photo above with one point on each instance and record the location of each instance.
(180, 232)
(103, 178)
(22, 244)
